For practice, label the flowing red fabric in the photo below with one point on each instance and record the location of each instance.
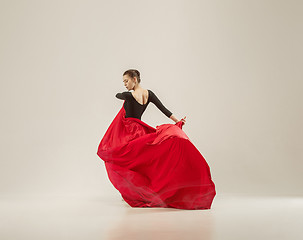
(155, 167)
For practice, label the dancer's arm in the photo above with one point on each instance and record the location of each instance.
(122, 95)
(154, 99)
(174, 118)
(159, 104)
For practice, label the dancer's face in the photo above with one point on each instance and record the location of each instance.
(129, 82)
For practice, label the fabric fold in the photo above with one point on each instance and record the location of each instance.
(155, 167)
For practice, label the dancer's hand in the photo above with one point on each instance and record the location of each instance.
(183, 120)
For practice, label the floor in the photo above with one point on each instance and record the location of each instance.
(97, 217)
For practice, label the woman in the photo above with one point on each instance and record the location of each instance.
(153, 167)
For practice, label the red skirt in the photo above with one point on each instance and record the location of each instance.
(155, 167)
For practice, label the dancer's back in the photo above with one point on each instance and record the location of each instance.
(135, 109)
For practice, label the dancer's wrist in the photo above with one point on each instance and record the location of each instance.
(174, 118)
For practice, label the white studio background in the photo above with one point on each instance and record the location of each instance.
(233, 68)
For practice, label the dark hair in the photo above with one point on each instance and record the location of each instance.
(133, 73)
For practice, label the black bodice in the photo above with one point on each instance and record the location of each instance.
(135, 109)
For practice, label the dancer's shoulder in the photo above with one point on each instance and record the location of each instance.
(123, 95)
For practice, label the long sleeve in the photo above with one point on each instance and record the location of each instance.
(122, 95)
(154, 99)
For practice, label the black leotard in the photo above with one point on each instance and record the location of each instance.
(135, 109)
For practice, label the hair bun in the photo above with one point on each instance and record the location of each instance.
(133, 73)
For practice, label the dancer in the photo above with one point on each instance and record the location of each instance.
(153, 167)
